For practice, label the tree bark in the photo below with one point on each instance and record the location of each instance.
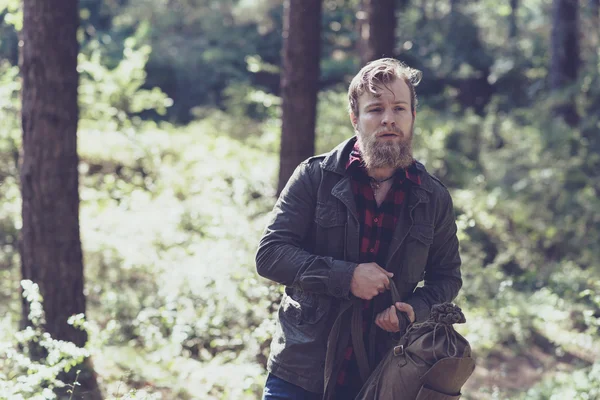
(379, 31)
(454, 6)
(299, 84)
(595, 7)
(589, 130)
(51, 254)
(512, 22)
(423, 16)
(362, 29)
(566, 60)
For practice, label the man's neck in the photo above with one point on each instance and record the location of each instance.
(381, 173)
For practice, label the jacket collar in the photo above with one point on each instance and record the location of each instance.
(335, 161)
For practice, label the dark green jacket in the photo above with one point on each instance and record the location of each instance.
(311, 245)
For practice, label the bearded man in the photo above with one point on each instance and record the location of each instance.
(346, 223)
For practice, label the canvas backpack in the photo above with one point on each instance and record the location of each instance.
(431, 361)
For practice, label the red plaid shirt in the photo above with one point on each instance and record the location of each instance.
(377, 225)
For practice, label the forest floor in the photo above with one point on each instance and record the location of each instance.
(504, 374)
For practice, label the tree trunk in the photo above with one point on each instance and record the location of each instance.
(362, 28)
(51, 254)
(512, 22)
(595, 8)
(423, 17)
(589, 130)
(454, 6)
(566, 60)
(299, 84)
(379, 32)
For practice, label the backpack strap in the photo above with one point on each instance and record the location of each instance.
(403, 320)
(358, 343)
(335, 351)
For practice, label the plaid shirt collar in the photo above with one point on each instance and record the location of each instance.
(355, 162)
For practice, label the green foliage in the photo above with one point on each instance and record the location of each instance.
(32, 362)
(203, 46)
(333, 120)
(25, 375)
(185, 289)
(579, 385)
(114, 95)
(526, 234)
(12, 13)
(243, 101)
(10, 206)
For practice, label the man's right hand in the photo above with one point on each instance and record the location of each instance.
(369, 280)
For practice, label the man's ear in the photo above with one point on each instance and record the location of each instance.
(414, 115)
(353, 119)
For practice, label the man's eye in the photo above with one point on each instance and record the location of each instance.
(399, 108)
(375, 110)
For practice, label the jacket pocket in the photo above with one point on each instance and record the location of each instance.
(305, 308)
(422, 233)
(329, 216)
(330, 231)
(417, 250)
(430, 394)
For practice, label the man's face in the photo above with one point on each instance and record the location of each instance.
(384, 126)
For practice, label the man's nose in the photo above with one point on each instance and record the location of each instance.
(388, 118)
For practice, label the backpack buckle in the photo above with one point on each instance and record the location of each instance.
(399, 350)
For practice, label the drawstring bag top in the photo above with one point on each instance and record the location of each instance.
(447, 313)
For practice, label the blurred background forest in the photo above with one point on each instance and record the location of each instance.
(181, 104)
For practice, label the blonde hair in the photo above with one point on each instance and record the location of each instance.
(382, 72)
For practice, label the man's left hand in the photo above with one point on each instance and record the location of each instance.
(388, 319)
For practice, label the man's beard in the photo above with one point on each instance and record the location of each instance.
(384, 154)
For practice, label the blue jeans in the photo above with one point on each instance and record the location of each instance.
(278, 389)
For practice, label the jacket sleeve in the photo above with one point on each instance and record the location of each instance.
(280, 256)
(442, 272)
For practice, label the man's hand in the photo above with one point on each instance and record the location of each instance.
(369, 280)
(388, 319)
